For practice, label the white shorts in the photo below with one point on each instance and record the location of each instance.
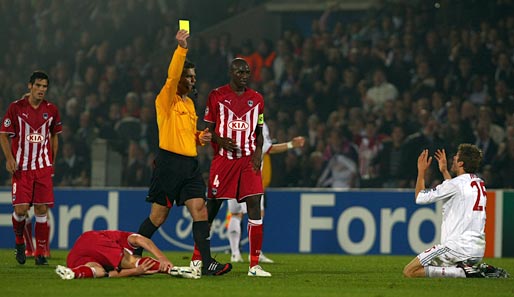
(440, 255)
(235, 207)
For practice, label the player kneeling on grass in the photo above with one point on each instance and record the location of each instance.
(462, 231)
(109, 253)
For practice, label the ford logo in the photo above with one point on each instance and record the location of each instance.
(178, 230)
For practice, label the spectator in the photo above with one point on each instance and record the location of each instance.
(136, 172)
(389, 160)
(72, 170)
(381, 91)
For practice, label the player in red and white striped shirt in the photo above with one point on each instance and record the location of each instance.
(235, 115)
(29, 141)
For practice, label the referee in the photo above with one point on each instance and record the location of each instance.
(176, 176)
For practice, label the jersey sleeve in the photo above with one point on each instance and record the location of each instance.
(260, 121)
(266, 145)
(210, 110)
(167, 94)
(56, 127)
(443, 191)
(9, 122)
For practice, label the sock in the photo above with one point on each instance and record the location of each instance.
(255, 237)
(202, 241)
(447, 272)
(146, 229)
(155, 264)
(234, 234)
(41, 231)
(27, 235)
(84, 271)
(18, 224)
(196, 254)
(213, 207)
(47, 250)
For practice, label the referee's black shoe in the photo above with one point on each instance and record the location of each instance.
(19, 252)
(216, 268)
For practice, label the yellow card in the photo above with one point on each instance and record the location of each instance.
(183, 25)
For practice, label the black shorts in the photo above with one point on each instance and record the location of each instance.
(175, 178)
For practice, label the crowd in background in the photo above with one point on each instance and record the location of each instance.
(368, 93)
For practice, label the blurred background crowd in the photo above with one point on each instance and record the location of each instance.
(368, 92)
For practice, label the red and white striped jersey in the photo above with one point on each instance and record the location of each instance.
(236, 116)
(30, 130)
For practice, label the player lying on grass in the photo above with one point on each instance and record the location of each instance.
(462, 231)
(109, 253)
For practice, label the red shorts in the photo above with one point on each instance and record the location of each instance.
(95, 247)
(33, 187)
(231, 179)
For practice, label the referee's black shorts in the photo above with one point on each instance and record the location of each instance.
(176, 178)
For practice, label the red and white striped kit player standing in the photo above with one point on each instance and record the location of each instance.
(235, 115)
(29, 141)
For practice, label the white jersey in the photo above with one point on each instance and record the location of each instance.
(266, 145)
(464, 200)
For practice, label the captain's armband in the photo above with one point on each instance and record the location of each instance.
(260, 121)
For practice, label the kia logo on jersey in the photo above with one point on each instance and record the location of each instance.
(238, 125)
(35, 138)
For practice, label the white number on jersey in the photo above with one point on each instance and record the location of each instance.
(216, 181)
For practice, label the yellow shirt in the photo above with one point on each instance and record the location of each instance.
(176, 117)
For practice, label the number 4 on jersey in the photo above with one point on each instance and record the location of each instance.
(216, 181)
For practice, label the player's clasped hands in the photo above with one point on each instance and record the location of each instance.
(165, 264)
(228, 143)
(144, 268)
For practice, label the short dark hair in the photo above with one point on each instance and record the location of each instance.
(471, 155)
(38, 74)
(188, 64)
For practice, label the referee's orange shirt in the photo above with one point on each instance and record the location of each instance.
(176, 117)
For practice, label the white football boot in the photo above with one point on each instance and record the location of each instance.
(64, 272)
(185, 272)
(196, 267)
(258, 271)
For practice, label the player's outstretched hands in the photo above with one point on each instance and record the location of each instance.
(440, 156)
(424, 161)
(298, 141)
(182, 36)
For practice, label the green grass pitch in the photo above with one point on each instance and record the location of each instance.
(294, 275)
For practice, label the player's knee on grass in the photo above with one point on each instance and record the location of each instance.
(413, 271)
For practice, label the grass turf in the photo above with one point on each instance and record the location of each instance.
(293, 275)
